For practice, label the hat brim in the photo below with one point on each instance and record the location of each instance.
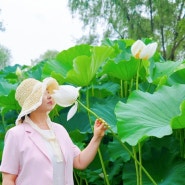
(34, 100)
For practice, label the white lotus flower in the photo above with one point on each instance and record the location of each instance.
(148, 51)
(142, 51)
(66, 96)
(137, 47)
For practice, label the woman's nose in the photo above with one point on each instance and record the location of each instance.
(49, 96)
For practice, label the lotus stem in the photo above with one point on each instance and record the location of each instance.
(99, 152)
(123, 145)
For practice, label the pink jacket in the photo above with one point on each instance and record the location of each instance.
(25, 155)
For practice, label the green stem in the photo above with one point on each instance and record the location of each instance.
(130, 153)
(137, 76)
(140, 159)
(123, 145)
(181, 138)
(125, 88)
(76, 178)
(86, 182)
(99, 152)
(103, 168)
(121, 85)
(130, 86)
(183, 143)
(136, 165)
(139, 146)
(89, 110)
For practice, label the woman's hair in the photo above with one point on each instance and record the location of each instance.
(23, 118)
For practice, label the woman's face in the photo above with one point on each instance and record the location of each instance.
(47, 103)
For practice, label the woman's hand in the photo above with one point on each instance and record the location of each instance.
(87, 155)
(100, 127)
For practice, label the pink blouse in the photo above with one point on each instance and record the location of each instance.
(26, 156)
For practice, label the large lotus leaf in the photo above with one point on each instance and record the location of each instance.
(124, 50)
(160, 161)
(147, 114)
(66, 57)
(175, 174)
(8, 73)
(54, 66)
(124, 70)
(116, 151)
(178, 122)
(85, 67)
(78, 122)
(79, 138)
(78, 65)
(179, 75)
(8, 102)
(35, 71)
(64, 60)
(80, 75)
(104, 90)
(104, 108)
(6, 87)
(163, 69)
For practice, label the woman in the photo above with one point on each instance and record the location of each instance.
(38, 151)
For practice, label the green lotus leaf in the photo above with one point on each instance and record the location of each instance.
(124, 70)
(178, 122)
(147, 114)
(162, 69)
(85, 67)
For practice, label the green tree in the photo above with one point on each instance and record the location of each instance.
(5, 56)
(48, 55)
(162, 20)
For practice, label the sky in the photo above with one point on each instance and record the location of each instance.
(35, 26)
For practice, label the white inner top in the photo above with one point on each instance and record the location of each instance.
(58, 167)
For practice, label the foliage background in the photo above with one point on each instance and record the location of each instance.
(147, 121)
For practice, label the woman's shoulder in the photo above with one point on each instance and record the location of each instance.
(59, 128)
(16, 128)
(15, 132)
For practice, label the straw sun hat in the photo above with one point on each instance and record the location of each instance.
(30, 92)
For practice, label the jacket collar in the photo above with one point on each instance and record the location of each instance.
(36, 139)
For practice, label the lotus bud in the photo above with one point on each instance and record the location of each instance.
(18, 71)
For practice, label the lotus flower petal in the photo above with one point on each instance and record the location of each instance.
(66, 95)
(137, 47)
(72, 111)
(148, 51)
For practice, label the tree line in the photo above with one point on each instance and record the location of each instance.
(5, 54)
(161, 20)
